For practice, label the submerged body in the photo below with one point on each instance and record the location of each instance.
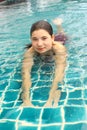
(43, 44)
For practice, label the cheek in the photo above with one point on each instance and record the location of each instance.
(48, 47)
(33, 44)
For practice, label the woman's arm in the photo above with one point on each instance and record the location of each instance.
(26, 77)
(60, 60)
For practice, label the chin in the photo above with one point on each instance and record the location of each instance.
(41, 52)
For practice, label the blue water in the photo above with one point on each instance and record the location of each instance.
(15, 23)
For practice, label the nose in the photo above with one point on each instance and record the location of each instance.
(40, 42)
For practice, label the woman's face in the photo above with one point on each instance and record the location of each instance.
(41, 41)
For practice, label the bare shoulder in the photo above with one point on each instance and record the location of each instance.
(57, 46)
(29, 52)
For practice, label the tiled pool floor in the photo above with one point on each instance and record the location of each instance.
(71, 112)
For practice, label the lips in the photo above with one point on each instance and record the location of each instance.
(41, 49)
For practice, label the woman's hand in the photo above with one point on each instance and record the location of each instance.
(53, 99)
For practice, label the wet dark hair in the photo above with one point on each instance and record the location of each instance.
(42, 24)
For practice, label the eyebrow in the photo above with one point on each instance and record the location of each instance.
(37, 37)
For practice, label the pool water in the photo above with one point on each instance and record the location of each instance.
(15, 23)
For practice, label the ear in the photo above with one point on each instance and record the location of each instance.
(53, 37)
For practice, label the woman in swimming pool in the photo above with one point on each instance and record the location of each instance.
(43, 44)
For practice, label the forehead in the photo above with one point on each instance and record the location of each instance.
(40, 32)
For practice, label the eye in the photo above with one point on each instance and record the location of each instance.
(44, 38)
(34, 39)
